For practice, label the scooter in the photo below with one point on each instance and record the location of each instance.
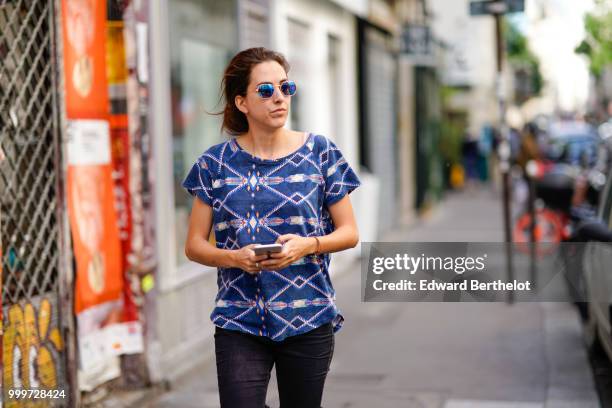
(553, 188)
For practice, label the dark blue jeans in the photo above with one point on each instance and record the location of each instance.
(244, 364)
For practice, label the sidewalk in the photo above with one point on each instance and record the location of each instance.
(447, 355)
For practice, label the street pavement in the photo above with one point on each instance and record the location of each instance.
(443, 355)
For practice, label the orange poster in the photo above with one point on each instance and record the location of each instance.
(84, 33)
(93, 219)
(91, 196)
(98, 291)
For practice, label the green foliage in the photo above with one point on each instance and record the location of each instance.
(452, 128)
(597, 45)
(451, 138)
(519, 55)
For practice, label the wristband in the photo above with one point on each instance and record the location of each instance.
(318, 246)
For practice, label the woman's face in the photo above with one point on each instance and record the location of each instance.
(271, 112)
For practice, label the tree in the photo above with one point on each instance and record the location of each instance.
(597, 45)
(529, 80)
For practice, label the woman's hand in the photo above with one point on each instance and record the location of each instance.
(294, 248)
(245, 259)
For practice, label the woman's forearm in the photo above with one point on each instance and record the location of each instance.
(342, 238)
(205, 253)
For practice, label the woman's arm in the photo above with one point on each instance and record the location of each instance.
(199, 249)
(345, 235)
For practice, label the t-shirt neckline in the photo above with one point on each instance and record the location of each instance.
(261, 160)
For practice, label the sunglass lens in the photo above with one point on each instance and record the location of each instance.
(288, 88)
(266, 90)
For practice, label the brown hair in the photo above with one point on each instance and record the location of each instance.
(236, 80)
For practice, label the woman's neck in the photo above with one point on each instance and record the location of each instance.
(266, 144)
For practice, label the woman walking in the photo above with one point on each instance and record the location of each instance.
(268, 184)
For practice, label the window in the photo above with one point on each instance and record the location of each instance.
(203, 37)
(299, 52)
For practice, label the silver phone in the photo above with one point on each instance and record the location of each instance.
(262, 249)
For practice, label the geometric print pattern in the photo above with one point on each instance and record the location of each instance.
(256, 200)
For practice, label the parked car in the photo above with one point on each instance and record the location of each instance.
(572, 142)
(597, 266)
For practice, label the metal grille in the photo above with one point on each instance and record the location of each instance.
(28, 137)
(33, 342)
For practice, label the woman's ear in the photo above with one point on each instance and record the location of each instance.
(240, 103)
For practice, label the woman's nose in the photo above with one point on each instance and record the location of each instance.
(278, 95)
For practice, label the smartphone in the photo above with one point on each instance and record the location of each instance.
(262, 249)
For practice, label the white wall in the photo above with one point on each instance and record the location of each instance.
(323, 18)
(407, 139)
(471, 57)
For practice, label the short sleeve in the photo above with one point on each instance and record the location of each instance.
(340, 178)
(198, 182)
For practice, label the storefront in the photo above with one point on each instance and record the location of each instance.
(378, 107)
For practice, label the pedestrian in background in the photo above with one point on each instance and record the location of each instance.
(268, 184)
(529, 148)
(469, 151)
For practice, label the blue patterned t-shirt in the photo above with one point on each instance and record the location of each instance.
(256, 200)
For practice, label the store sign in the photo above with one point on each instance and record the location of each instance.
(416, 40)
(488, 7)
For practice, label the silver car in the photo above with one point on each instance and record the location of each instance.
(598, 273)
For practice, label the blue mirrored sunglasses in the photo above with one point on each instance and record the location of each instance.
(266, 90)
